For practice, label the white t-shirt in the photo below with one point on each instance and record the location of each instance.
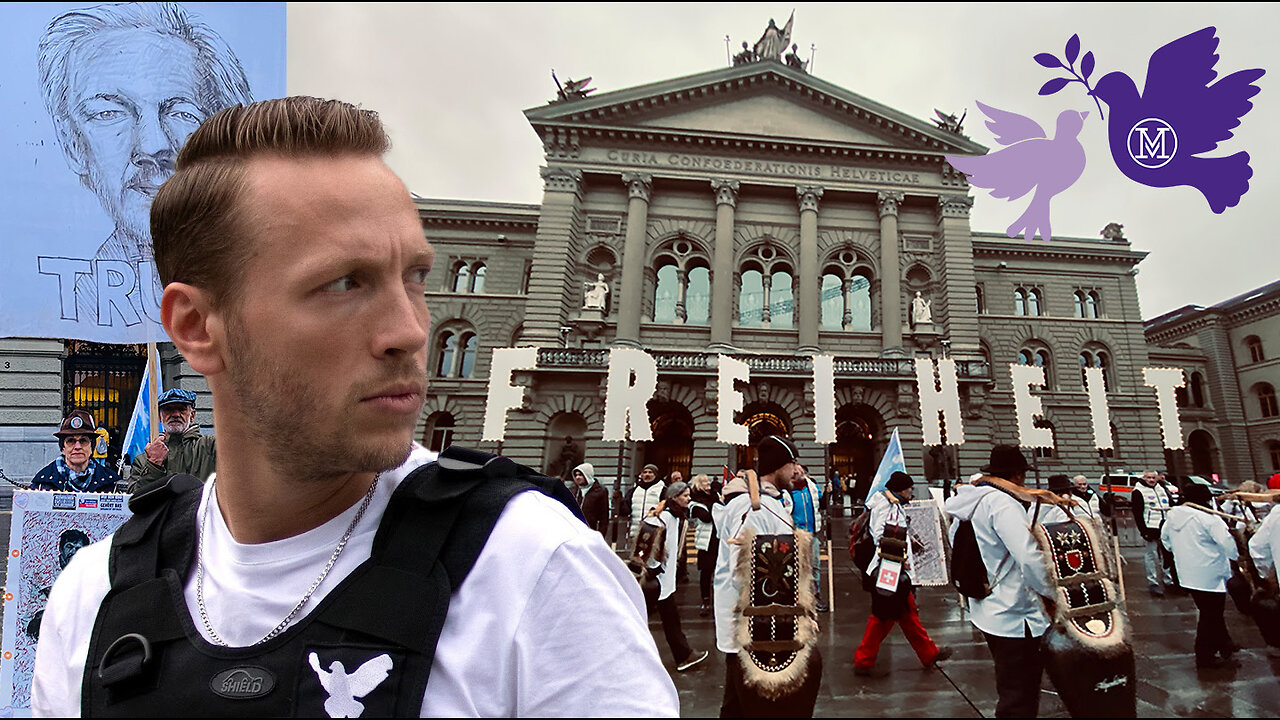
(549, 622)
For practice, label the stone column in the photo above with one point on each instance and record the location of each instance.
(807, 288)
(682, 287)
(549, 304)
(846, 318)
(631, 292)
(766, 282)
(953, 301)
(890, 273)
(722, 271)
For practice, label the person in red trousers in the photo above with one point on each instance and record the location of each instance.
(892, 595)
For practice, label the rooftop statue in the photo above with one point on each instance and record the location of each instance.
(571, 89)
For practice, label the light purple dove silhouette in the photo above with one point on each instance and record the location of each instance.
(1030, 159)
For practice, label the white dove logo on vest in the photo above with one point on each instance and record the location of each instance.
(343, 688)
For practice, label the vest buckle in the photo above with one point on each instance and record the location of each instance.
(122, 661)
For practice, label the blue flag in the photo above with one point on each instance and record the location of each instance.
(138, 434)
(889, 464)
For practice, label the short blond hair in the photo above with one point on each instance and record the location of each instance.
(701, 483)
(197, 224)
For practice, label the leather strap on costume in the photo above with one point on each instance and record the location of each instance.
(1089, 654)
(146, 657)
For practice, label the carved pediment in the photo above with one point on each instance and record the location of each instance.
(759, 100)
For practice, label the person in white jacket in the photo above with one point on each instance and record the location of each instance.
(1202, 550)
(675, 516)
(1013, 617)
(1264, 548)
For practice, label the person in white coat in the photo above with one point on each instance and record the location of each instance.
(1264, 548)
(1013, 617)
(1202, 550)
(675, 516)
(779, 471)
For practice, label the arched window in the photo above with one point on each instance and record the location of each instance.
(461, 278)
(698, 297)
(1080, 309)
(1037, 357)
(1033, 302)
(667, 294)
(1254, 344)
(448, 350)
(1019, 302)
(467, 362)
(1274, 451)
(456, 356)
(1180, 396)
(751, 299)
(1267, 400)
(1197, 390)
(982, 300)
(860, 303)
(1096, 357)
(781, 304)
(477, 278)
(832, 302)
(1092, 305)
(439, 431)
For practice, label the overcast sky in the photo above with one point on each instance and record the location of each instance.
(451, 81)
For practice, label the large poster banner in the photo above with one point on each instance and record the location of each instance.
(929, 566)
(48, 529)
(101, 98)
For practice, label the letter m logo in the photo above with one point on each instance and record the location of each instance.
(1152, 143)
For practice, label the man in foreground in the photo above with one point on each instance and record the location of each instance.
(180, 449)
(1012, 617)
(294, 582)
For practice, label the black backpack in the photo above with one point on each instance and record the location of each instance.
(862, 550)
(968, 573)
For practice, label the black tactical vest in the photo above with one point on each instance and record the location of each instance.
(365, 649)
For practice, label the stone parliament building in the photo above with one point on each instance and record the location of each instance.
(760, 212)
(755, 211)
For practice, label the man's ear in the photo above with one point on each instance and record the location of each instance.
(195, 327)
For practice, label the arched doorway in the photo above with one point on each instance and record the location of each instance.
(854, 453)
(762, 420)
(1200, 447)
(672, 445)
(563, 449)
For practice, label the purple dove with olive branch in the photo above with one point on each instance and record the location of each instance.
(1029, 160)
(1158, 137)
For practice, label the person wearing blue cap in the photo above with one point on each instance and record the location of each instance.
(180, 448)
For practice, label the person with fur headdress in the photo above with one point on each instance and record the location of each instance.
(778, 470)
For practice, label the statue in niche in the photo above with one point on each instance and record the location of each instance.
(595, 293)
(921, 314)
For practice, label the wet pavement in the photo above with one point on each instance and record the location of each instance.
(1168, 684)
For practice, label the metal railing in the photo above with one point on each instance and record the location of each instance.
(703, 362)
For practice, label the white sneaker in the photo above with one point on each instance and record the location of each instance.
(694, 659)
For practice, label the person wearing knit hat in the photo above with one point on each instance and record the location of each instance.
(778, 471)
(1203, 551)
(1011, 617)
(75, 470)
(674, 516)
(591, 497)
(898, 606)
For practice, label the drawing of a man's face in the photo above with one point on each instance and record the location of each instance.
(131, 103)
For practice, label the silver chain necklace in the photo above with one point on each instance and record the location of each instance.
(342, 544)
